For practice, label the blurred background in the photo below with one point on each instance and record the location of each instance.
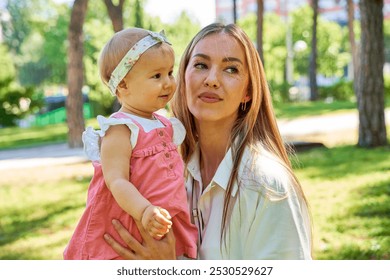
(328, 67)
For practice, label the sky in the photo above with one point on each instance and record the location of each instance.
(169, 10)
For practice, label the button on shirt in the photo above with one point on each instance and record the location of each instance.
(268, 220)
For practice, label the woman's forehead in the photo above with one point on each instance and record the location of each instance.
(219, 44)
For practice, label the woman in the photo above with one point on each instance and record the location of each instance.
(243, 195)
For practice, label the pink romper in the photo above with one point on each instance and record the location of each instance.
(156, 169)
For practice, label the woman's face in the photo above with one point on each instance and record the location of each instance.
(216, 79)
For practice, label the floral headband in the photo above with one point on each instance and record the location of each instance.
(132, 57)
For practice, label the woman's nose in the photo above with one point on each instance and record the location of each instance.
(212, 80)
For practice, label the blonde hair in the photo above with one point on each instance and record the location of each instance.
(255, 126)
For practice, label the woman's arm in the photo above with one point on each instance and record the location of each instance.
(150, 249)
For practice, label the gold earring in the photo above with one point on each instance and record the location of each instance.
(243, 106)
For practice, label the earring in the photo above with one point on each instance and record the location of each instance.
(243, 106)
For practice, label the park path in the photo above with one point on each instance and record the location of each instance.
(56, 154)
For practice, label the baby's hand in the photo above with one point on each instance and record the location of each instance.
(156, 221)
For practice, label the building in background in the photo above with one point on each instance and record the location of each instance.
(333, 10)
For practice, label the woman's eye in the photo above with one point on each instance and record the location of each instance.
(200, 66)
(232, 70)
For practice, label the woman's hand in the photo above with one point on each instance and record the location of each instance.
(150, 249)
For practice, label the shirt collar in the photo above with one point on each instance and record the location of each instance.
(222, 175)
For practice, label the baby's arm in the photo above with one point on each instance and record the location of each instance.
(115, 157)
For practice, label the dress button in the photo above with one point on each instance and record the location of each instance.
(167, 155)
(160, 133)
(171, 166)
(164, 144)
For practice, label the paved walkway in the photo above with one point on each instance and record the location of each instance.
(62, 154)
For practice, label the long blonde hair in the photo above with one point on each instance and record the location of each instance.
(255, 125)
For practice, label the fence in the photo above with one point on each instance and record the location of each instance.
(59, 116)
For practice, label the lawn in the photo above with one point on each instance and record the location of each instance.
(348, 189)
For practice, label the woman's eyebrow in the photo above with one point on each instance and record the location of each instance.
(205, 56)
(226, 59)
(231, 59)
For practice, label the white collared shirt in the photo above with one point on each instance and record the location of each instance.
(268, 219)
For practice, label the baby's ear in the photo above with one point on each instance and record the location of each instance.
(122, 85)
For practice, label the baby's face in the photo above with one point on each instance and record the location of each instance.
(150, 83)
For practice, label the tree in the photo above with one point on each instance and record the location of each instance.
(260, 20)
(370, 92)
(74, 101)
(115, 12)
(313, 54)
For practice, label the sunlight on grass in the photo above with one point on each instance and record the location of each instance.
(349, 193)
(39, 213)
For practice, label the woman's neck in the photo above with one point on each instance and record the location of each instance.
(214, 141)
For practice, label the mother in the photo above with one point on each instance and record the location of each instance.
(243, 195)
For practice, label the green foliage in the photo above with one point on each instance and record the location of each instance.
(7, 69)
(16, 102)
(331, 44)
(18, 28)
(180, 34)
(341, 90)
(387, 87)
(138, 14)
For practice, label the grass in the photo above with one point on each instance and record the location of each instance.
(307, 109)
(348, 189)
(349, 192)
(16, 137)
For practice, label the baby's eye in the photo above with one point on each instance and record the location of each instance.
(170, 73)
(157, 76)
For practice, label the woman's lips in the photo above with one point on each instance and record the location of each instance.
(209, 97)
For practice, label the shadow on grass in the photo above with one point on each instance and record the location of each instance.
(343, 161)
(367, 221)
(22, 226)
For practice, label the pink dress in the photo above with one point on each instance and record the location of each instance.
(156, 169)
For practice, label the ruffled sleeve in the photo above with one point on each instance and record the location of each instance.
(179, 131)
(91, 138)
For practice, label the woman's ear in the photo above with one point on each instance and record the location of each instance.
(246, 98)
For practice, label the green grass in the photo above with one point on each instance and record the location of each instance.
(16, 137)
(348, 189)
(306, 109)
(39, 214)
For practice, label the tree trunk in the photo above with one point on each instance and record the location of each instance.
(115, 13)
(372, 128)
(313, 55)
(74, 101)
(234, 11)
(260, 20)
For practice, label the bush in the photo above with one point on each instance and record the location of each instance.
(340, 91)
